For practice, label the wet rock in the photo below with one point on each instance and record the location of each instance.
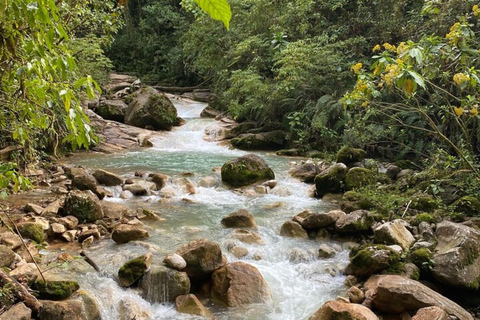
(83, 205)
(62, 310)
(318, 220)
(126, 195)
(207, 182)
(371, 259)
(457, 255)
(239, 252)
(161, 284)
(107, 178)
(159, 179)
(350, 155)
(11, 240)
(238, 284)
(431, 313)
(57, 229)
(359, 177)
(84, 182)
(150, 108)
(396, 294)
(293, 229)
(191, 305)
(69, 235)
(6, 256)
(17, 312)
(202, 257)
(131, 271)
(354, 222)
(112, 110)
(246, 170)
(175, 261)
(325, 251)
(239, 219)
(55, 290)
(33, 231)
(355, 295)
(330, 180)
(52, 208)
(130, 309)
(273, 140)
(92, 311)
(394, 232)
(124, 233)
(247, 236)
(333, 310)
(87, 234)
(70, 222)
(299, 256)
(136, 189)
(305, 172)
(35, 208)
(113, 210)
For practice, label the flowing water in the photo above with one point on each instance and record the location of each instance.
(298, 280)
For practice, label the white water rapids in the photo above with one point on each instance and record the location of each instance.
(299, 285)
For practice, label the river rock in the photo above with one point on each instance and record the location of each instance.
(113, 210)
(124, 233)
(354, 222)
(32, 207)
(83, 235)
(239, 252)
(159, 179)
(457, 255)
(190, 304)
(208, 182)
(27, 273)
(237, 284)
(394, 232)
(132, 270)
(293, 229)
(305, 172)
(84, 181)
(333, 310)
(175, 261)
(62, 310)
(161, 284)
(52, 209)
(246, 170)
(129, 309)
(431, 313)
(83, 205)
(136, 189)
(247, 236)
(359, 177)
(371, 259)
(112, 110)
(70, 222)
(273, 140)
(239, 219)
(396, 294)
(355, 295)
(11, 240)
(202, 256)
(350, 155)
(55, 290)
(17, 312)
(107, 178)
(69, 235)
(318, 220)
(150, 108)
(330, 180)
(325, 251)
(57, 229)
(6, 256)
(32, 230)
(92, 311)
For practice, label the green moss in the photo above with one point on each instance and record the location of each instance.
(359, 177)
(55, 290)
(349, 155)
(33, 231)
(330, 180)
(467, 205)
(472, 254)
(365, 260)
(424, 202)
(131, 271)
(245, 172)
(83, 206)
(422, 258)
(421, 217)
(397, 268)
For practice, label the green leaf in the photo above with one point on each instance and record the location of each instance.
(217, 10)
(418, 79)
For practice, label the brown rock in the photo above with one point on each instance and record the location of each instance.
(113, 210)
(239, 219)
(10, 240)
(394, 232)
(238, 284)
(247, 236)
(62, 310)
(35, 208)
(338, 310)
(17, 312)
(293, 229)
(202, 256)
(70, 222)
(431, 313)
(162, 284)
(355, 295)
(191, 305)
(107, 178)
(124, 233)
(159, 179)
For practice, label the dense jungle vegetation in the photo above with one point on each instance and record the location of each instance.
(397, 78)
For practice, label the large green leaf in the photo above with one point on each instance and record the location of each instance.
(217, 9)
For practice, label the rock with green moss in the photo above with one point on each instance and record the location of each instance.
(359, 177)
(55, 290)
(273, 140)
(457, 255)
(355, 222)
(112, 110)
(83, 205)
(330, 180)
(350, 155)
(424, 217)
(134, 269)
(468, 205)
(246, 170)
(424, 202)
(33, 231)
(394, 232)
(161, 284)
(407, 270)
(352, 201)
(368, 260)
(422, 258)
(149, 108)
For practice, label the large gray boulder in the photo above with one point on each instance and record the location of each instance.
(112, 110)
(162, 284)
(330, 180)
(124, 233)
(370, 260)
(150, 108)
(107, 178)
(394, 232)
(273, 140)
(84, 205)
(457, 255)
(246, 170)
(203, 257)
(354, 222)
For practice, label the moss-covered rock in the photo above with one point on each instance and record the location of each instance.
(352, 201)
(349, 155)
(112, 110)
(33, 231)
(468, 205)
(246, 170)
(131, 271)
(359, 177)
(83, 205)
(424, 217)
(359, 221)
(368, 260)
(55, 290)
(274, 140)
(422, 258)
(330, 180)
(424, 202)
(162, 284)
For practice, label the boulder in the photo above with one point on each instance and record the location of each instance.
(107, 178)
(62, 310)
(175, 261)
(124, 233)
(293, 229)
(84, 182)
(131, 271)
(305, 172)
(239, 219)
(325, 251)
(239, 252)
(112, 110)
(17, 312)
(131, 309)
(340, 310)
(247, 236)
(55, 290)
(330, 180)
(159, 179)
(355, 295)
(392, 170)
(431, 313)
(318, 220)
(457, 255)
(394, 232)
(6, 256)
(150, 108)
(237, 284)
(246, 170)
(10, 240)
(396, 294)
(136, 189)
(57, 229)
(33, 231)
(273, 140)
(113, 210)
(83, 205)
(368, 260)
(354, 222)
(203, 257)
(161, 284)
(359, 177)
(350, 155)
(35, 208)
(207, 182)
(190, 304)
(92, 311)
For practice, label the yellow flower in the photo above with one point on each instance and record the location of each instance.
(458, 111)
(476, 10)
(474, 112)
(376, 48)
(389, 47)
(401, 48)
(460, 78)
(365, 103)
(455, 34)
(391, 73)
(356, 68)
